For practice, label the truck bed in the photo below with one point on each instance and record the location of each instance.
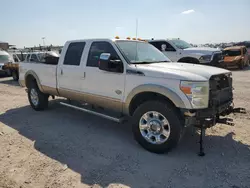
(46, 73)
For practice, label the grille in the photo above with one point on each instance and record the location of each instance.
(221, 90)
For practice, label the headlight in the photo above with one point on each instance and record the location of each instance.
(196, 92)
(205, 58)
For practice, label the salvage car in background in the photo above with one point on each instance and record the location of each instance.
(181, 51)
(235, 56)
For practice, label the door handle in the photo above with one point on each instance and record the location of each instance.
(83, 76)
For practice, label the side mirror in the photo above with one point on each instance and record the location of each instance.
(107, 64)
(32, 60)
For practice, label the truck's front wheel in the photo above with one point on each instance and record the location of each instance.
(157, 126)
(37, 99)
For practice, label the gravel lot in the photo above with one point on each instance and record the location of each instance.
(62, 147)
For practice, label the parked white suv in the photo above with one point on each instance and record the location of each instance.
(180, 51)
(132, 80)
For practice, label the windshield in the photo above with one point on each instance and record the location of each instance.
(232, 52)
(181, 44)
(4, 58)
(141, 52)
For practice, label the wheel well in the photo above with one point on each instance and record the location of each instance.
(146, 96)
(189, 60)
(30, 79)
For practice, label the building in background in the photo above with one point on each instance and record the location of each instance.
(4, 45)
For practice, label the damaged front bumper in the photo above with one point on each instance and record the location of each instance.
(209, 117)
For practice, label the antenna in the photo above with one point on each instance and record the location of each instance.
(136, 28)
(136, 32)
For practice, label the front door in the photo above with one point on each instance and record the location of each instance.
(167, 49)
(70, 72)
(103, 88)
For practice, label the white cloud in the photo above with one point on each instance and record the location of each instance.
(188, 11)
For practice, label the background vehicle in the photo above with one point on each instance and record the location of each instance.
(236, 56)
(49, 57)
(13, 66)
(181, 51)
(133, 80)
(5, 58)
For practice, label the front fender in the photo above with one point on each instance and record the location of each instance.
(171, 95)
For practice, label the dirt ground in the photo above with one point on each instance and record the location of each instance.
(61, 147)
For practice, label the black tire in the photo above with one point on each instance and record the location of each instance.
(170, 113)
(247, 64)
(43, 99)
(15, 75)
(241, 65)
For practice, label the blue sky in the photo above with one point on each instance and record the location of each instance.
(197, 21)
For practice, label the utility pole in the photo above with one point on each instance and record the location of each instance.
(43, 38)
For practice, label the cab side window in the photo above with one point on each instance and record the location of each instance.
(96, 49)
(74, 53)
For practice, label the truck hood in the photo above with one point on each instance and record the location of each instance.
(181, 71)
(201, 50)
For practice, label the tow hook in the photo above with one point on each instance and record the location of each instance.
(227, 121)
(231, 109)
(239, 110)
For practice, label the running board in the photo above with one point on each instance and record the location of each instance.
(118, 120)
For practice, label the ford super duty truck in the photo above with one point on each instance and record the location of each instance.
(132, 80)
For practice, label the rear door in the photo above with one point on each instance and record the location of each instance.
(70, 72)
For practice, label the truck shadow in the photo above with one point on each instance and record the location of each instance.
(105, 153)
(9, 81)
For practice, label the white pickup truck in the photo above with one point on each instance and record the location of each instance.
(134, 80)
(181, 51)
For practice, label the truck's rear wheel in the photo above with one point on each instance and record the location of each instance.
(38, 100)
(15, 75)
(157, 126)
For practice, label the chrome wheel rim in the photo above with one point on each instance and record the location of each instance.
(34, 97)
(154, 127)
